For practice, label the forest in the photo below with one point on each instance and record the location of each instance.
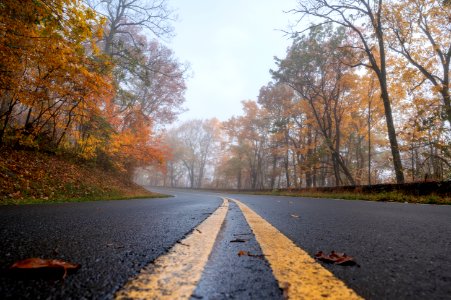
(89, 78)
(361, 97)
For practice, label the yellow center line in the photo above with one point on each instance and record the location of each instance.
(298, 274)
(176, 274)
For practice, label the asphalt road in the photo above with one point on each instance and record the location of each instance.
(112, 240)
(403, 249)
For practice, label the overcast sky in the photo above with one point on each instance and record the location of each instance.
(230, 45)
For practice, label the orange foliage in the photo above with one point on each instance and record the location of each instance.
(57, 89)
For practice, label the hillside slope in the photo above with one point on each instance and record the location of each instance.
(35, 177)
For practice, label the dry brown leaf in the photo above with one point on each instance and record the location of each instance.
(45, 267)
(336, 258)
(247, 253)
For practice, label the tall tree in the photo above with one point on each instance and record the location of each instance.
(420, 31)
(125, 16)
(363, 18)
(277, 100)
(322, 84)
(248, 135)
(51, 71)
(197, 141)
(146, 73)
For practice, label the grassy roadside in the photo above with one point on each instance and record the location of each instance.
(381, 197)
(26, 201)
(30, 177)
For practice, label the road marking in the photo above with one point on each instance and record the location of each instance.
(298, 274)
(175, 275)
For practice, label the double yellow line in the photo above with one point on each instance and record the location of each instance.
(176, 274)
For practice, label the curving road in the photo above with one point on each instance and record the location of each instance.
(403, 249)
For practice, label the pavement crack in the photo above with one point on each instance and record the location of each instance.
(181, 243)
(239, 240)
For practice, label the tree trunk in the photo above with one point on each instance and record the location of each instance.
(392, 136)
(238, 179)
(273, 173)
(382, 76)
(287, 169)
(7, 116)
(447, 101)
(336, 167)
(295, 159)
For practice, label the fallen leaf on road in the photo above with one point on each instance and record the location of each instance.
(336, 258)
(45, 267)
(247, 253)
(295, 216)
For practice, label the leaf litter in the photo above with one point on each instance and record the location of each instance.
(336, 258)
(247, 253)
(43, 268)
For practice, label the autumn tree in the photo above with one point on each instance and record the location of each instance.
(364, 19)
(232, 162)
(277, 99)
(322, 84)
(175, 169)
(125, 16)
(290, 135)
(421, 34)
(63, 88)
(149, 82)
(197, 141)
(146, 73)
(366, 123)
(248, 138)
(51, 70)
